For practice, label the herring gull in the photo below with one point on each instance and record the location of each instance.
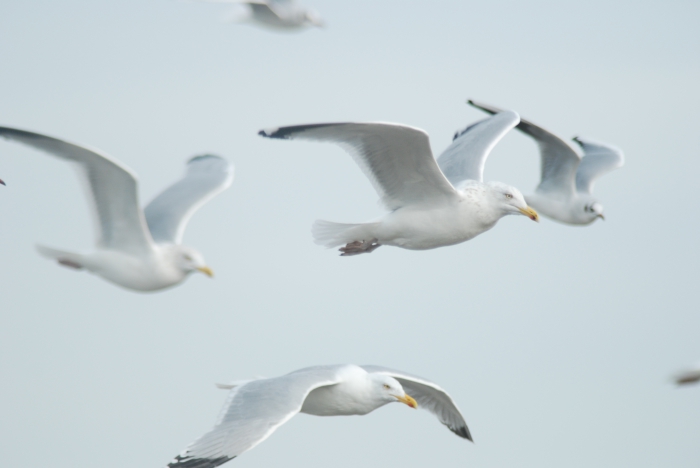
(254, 409)
(565, 190)
(432, 203)
(136, 249)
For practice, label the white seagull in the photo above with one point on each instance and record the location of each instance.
(431, 203)
(277, 14)
(136, 249)
(565, 190)
(688, 376)
(254, 409)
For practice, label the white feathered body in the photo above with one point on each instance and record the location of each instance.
(421, 226)
(352, 396)
(154, 272)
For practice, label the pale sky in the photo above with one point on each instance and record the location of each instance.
(557, 342)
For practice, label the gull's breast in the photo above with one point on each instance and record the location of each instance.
(429, 227)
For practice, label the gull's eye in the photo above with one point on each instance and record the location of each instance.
(509, 195)
(387, 386)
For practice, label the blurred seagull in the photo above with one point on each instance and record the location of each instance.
(254, 409)
(136, 249)
(276, 14)
(688, 376)
(431, 203)
(565, 191)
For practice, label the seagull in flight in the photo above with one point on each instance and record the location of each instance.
(254, 409)
(565, 192)
(137, 249)
(431, 203)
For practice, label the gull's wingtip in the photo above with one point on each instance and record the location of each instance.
(270, 133)
(464, 433)
(2, 182)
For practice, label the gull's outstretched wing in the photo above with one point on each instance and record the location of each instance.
(559, 159)
(112, 190)
(430, 396)
(598, 159)
(395, 158)
(167, 215)
(464, 159)
(253, 410)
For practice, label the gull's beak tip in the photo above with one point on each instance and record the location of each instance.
(206, 270)
(408, 401)
(530, 213)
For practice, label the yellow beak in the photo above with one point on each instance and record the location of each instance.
(530, 213)
(206, 270)
(407, 400)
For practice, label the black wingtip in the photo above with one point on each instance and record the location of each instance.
(471, 102)
(188, 462)
(273, 133)
(464, 433)
(577, 140)
(2, 182)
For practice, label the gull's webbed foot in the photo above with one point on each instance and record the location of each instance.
(70, 264)
(359, 247)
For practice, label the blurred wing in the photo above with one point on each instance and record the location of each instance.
(464, 159)
(688, 376)
(113, 192)
(252, 412)
(598, 159)
(167, 215)
(264, 10)
(559, 159)
(395, 158)
(430, 396)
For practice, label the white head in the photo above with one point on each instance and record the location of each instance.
(510, 200)
(189, 260)
(388, 390)
(592, 210)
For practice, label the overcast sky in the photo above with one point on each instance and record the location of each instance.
(556, 342)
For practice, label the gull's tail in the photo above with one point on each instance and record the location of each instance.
(331, 234)
(68, 259)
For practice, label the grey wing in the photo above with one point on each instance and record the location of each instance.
(112, 190)
(264, 10)
(167, 214)
(252, 412)
(464, 159)
(396, 158)
(430, 396)
(559, 159)
(598, 159)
